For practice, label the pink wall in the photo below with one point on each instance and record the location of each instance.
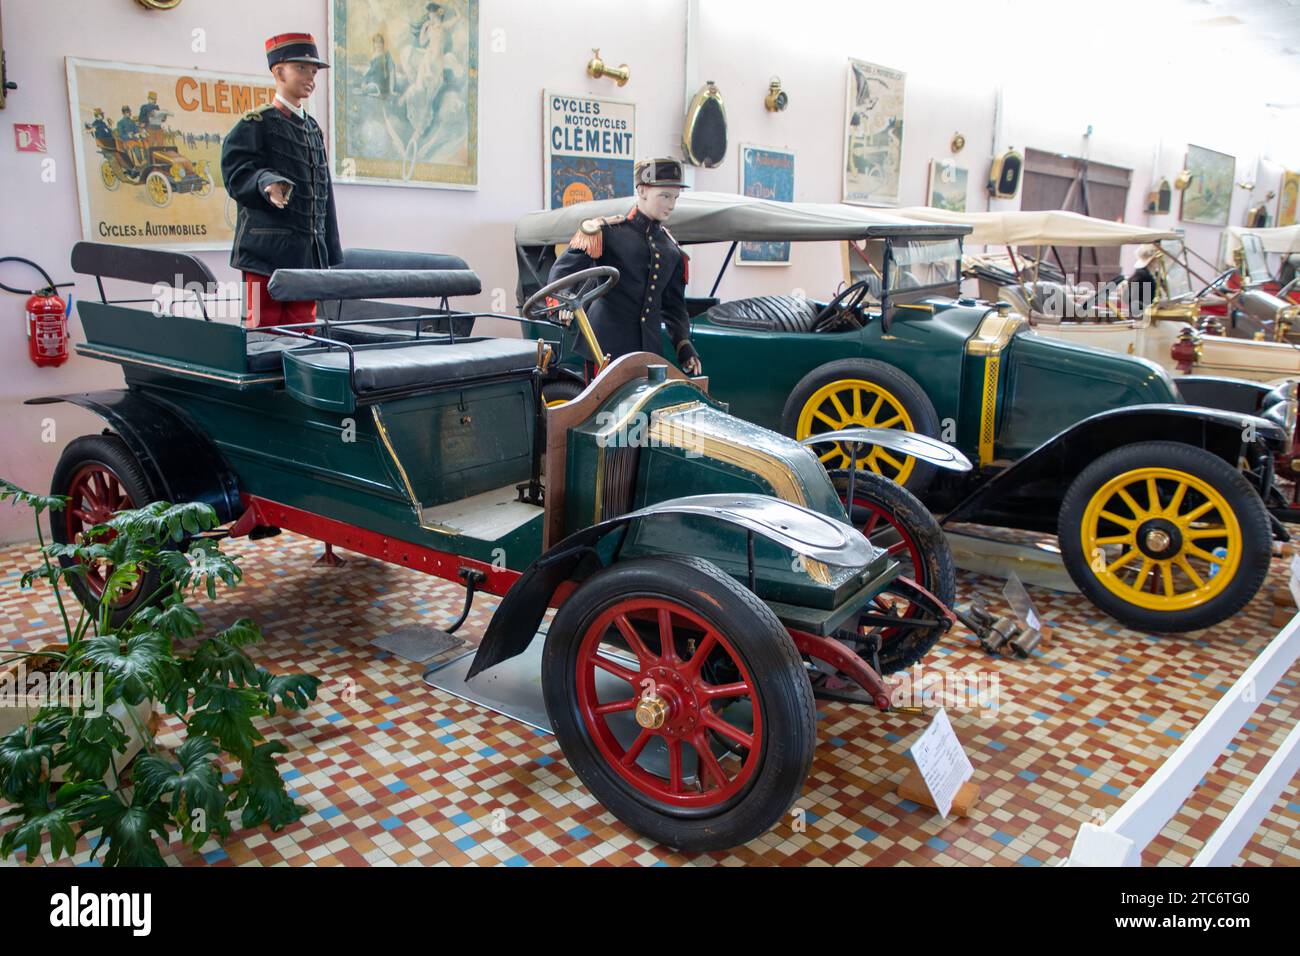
(527, 45)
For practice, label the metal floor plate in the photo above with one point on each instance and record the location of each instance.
(417, 642)
(513, 688)
(998, 559)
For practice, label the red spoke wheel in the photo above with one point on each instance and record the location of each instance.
(100, 477)
(894, 520)
(681, 701)
(666, 699)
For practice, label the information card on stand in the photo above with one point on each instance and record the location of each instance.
(943, 763)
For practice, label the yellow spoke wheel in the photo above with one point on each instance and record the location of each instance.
(1164, 536)
(856, 403)
(159, 190)
(109, 175)
(1161, 539)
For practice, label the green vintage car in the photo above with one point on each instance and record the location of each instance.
(691, 634)
(1156, 502)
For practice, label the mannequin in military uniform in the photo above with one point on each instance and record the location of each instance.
(652, 268)
(275, 168)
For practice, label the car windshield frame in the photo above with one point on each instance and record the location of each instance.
(896, 265)
(1177, 276)
(1254, 260)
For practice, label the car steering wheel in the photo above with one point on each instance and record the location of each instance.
(1219, 281)
(841, 310)
(568, 294)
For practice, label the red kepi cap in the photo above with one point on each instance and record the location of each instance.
(293, 48)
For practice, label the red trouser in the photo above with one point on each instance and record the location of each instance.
(263, 311)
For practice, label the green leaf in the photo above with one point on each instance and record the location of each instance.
(194, 785)
(91, 743)
(227, 714)
(25, 752)
(38, 503)
(173, 619)
(35, 816)
(203, 565)
(34, 821)
(122, 579)
(241, 634)
(295, 691)
(261, 792)
(219, 661)
(173, 688)
(162, 521)
(133, 666)
(127, 831)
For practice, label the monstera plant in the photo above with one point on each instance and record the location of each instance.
(63, 772)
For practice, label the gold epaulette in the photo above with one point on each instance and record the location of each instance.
(256, 115)
(590, 237)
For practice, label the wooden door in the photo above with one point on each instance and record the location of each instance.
(1053, 181)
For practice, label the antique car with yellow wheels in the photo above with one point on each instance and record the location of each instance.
(151, 158)
(707, 582)
(1158, 503)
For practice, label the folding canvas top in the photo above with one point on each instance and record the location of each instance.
(729, 217)
(1049, 227)
(1283, 239)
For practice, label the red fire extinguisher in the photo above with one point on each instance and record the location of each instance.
(45, 318)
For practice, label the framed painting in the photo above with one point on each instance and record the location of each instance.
(948, 183)
(147, 143)
(1208, 196)
(404, 92)
(1287, 192)
(765, 173)
(873, 134)
(590, 148)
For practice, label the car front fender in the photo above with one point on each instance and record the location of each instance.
(804, 531)
(937, 453)
(1028, 493)
(1216, 391)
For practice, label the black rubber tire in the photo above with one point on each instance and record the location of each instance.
(937, 573)
(1241, 498)
(111, 452)
(560, 390)
(925, 420)
(785, 699)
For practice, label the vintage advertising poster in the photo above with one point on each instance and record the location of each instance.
(948, 182)
(1286, 198)
(873, 134)
(147, 141)
(590, 147)
(765, 174)
(1208, 196)
(404, 92)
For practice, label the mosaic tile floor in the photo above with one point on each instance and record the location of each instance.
(396, 773)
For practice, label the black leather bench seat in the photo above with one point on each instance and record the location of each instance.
(263, 350)
(405, 365)
(766, 313)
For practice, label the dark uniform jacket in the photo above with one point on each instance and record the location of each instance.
(269, 146)
(1141, 290)
(651, 290)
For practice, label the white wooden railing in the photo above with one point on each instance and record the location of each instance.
(1122, 838)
